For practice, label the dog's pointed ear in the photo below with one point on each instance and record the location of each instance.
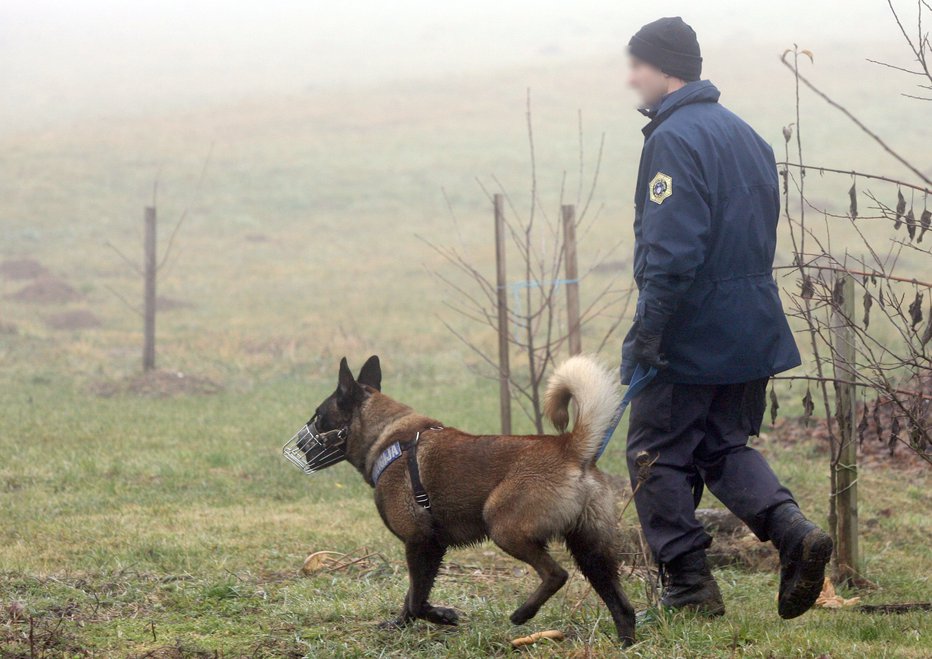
(347, 385)
(371, 373)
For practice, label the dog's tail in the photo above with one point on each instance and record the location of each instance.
(595, 391)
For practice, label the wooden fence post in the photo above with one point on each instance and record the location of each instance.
(504, 371)
(148, 350)
(846, 466)
(572, 279)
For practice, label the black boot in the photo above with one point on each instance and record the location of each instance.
(805, 550)
(689, 585)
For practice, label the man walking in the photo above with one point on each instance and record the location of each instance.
(710, 320)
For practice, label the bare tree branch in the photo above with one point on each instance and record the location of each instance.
(855, 120)
(133, 266)
(184, 213)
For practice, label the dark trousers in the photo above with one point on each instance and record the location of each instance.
(681, 436)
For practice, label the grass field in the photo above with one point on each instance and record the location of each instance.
(173, 527)
(141, 526)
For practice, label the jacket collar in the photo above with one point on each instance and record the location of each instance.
(699, 91)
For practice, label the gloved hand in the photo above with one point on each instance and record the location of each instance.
(646, 350)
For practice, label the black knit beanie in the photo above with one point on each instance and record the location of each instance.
(670, 45)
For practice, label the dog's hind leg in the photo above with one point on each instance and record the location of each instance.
(597, 560)
(424, 558)
(552, 576)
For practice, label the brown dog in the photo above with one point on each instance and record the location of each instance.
(449, 488)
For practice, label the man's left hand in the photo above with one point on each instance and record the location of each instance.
(646, 350)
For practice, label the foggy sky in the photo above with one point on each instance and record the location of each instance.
(70, 60)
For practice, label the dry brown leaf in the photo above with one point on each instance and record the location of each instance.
(774, 406)
(925, 221)
(900, 209)
(320, 560)
(828, 599)
(915, 310)
(552, 634)
(808, 405)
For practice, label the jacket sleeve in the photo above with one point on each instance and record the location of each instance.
(675, 227)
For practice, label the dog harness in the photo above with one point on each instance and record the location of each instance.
(392, 453)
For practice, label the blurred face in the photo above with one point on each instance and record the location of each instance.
(650, 83)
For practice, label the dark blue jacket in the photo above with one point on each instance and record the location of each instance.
(705, 227)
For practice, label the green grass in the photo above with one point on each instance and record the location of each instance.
(136, 524)
(133, 525)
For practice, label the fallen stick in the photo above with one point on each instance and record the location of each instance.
(552, 634)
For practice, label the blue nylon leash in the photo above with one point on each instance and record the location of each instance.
(639, 379)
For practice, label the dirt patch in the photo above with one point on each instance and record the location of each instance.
(878, 448)
(887, 438)
(158, 384)
(72, 320)
(170, 304)
(47, 289)
(22, 269)
(733, 543)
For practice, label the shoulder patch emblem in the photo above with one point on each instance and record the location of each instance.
(661, 187)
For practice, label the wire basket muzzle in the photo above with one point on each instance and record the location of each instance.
(310, 450)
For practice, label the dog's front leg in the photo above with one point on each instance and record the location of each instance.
(424, 557)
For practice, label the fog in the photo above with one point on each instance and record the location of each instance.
(64, 61)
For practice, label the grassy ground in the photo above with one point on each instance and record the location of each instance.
(134, 526)
(173, 526)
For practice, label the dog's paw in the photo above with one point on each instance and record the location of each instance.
(440, 615)
(522, 614)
